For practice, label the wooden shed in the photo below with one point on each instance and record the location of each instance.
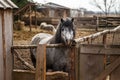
(54, 10)
(6, 24)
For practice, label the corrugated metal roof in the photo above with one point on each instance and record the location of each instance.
(7, 4)
(54, 5)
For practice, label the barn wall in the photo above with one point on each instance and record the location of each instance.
(8, 40)
(1, 48)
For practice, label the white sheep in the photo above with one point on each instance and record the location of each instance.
(48, 27)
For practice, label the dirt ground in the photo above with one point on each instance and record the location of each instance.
(24, 36)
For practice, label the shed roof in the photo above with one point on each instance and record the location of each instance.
(52, 5)
(7, 4)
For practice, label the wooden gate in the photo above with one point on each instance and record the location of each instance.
(99, 55)
(40, 71)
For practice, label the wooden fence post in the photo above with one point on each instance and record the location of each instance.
(72, 74)
(97, 23)
(41, 63)
(30, 17)
(77, 51)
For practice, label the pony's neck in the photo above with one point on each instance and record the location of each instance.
(57, 37)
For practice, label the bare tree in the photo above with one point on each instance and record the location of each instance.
(104, 5)
(117, 9)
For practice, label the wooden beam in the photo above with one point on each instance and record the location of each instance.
(93, 36)
(23, 8)
(100, 49)
(77, 59)
(109, 69)
(72, 74)
(4, 44)
(35, 46)
(35, 17)
(41, 63)
(97, 23)
(30, 22)
(24, 46)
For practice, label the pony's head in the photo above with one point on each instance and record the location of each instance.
(66, 31)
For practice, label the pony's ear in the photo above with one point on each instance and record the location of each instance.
(62, 20)
(72, 19)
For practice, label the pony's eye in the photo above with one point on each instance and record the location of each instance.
(62, 29)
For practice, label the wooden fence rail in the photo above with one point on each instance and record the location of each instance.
(102, 21)
(94, 21)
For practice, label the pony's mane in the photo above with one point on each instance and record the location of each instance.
(67, 22)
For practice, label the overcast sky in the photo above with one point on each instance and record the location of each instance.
(72, 3)
(77, 3)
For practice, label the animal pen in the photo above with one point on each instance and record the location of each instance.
(93, 57)
(88, 57)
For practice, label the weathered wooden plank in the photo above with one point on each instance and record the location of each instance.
(23, 75)
(4, 44)
(8, 24)
(30, 18)
(77, 62)
(72, 74)
(1, 49)
(100, 49)
(109, 69)
(90, 66)
(115, 75)
(35, 46)
(30, 75)
(41, 63)
(24, 46)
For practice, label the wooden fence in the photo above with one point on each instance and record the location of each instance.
(94, 21)
(100, 21)
(94, 57)
(96, 51)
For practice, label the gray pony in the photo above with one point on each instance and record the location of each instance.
(57, 58)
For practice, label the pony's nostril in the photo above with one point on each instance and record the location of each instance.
(66, 40)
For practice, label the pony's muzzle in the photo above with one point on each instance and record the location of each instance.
(68, 42)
